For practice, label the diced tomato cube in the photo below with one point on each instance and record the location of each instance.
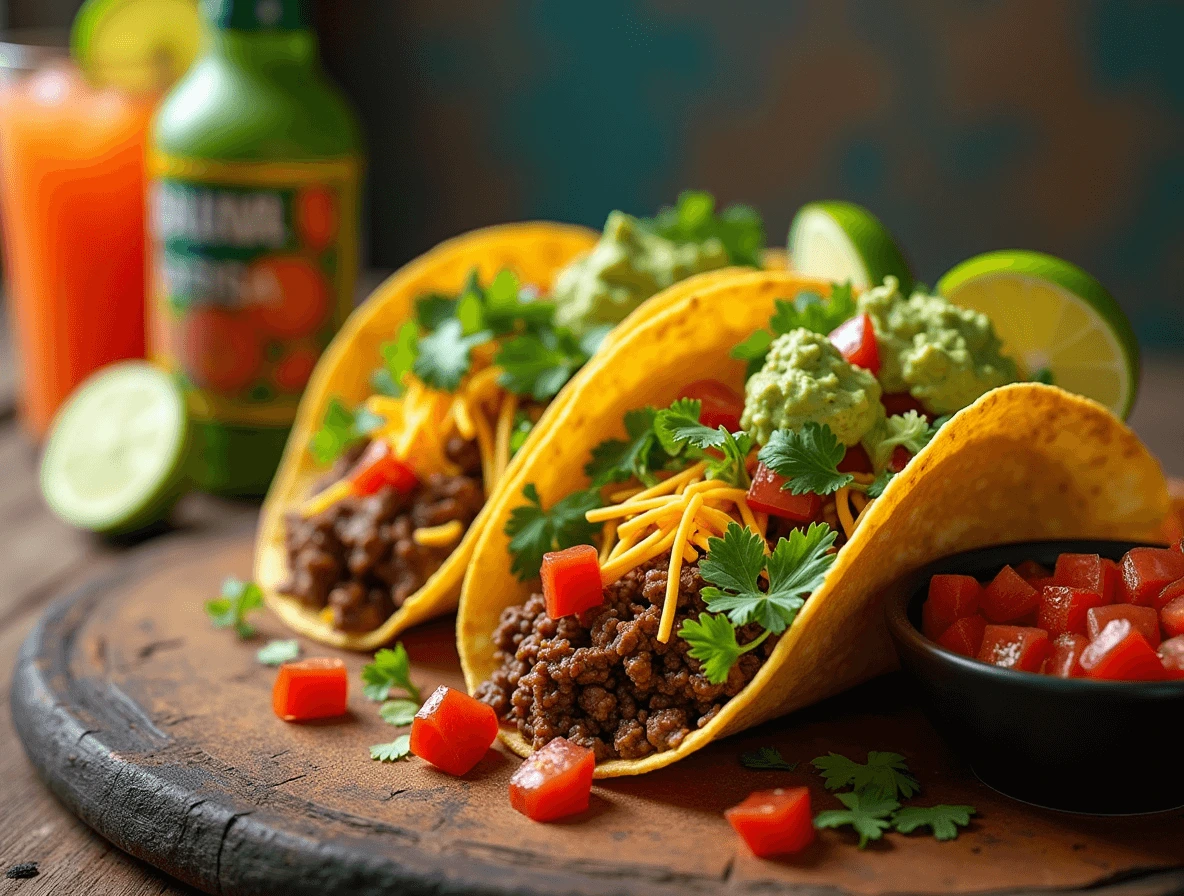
(855, 461)
(900, 459)
(1147, 571)
(1121, 653)
(1171, 617)
(553, 782)
(1030, 571)
(964, 636)
(774, 822)
(1008, 597)
(721, 406)
(1171, 654)
(766, 495)
(856, 341)
(1015, 647)
(1088, 572)
(1062, 610)
(900, 403)
(315, 688)
(1144, 619)
(1065, 661)
(571, 580)
(453, 731)
(950, 598)
(378, 467)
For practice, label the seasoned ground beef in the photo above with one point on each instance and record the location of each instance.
(602, 679)
(358, 557)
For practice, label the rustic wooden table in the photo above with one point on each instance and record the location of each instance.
(41, 558)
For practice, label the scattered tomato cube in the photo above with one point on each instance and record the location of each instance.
(1063, 609)
(378, 467)
(553, 782)
(1144, 619)
(1171, 654)
(774, 822)
(1171, 617)
(571, 580)
(1030, 570)
(951, 597)
(1065, 661)
(964, 636)
(453, 731)
(314, 688)
(1008, 598)
(1147, 571)
(1089, 572)
(1015, 647)
(766, 495)
(856, 341)
(1121, 653)
(721, 406)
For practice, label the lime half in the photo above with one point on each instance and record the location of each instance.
(138, 45)
(1055, 320)
(115, 458)
(843, 241)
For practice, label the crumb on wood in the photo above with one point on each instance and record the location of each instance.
(23, 871)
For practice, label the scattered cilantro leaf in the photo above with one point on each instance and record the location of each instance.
(398, 358)
(767, 758)
(942, 820)
(432, 310)
(680, 433)
(876, 488)
(869, 813)
(809, 458)
(399, 713)
(534, 532)
(390, 670)
(638, 456)
(336, 433)
(230, 610)
(445, 355)
(713, 642)
(810, 311)
(885, 773)
(276, 653)
(753, 350)
(399, 748)
(539, 364)
(693, 220)
(509, 306)
(521, 431)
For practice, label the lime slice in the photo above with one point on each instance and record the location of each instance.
(138, 45)
(115, 458)
(843, 241)
(1055, 320)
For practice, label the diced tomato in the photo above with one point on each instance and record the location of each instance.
(721, 406)
(1147, 571)
(453, 731)
(1062, 610)
(1121, 653)
(571, 580)
(900, 403)
(766, 495)
(1144, 619)
(856, 341)
(950, 598)
(1008, 597)
(964, 636)
(1088, 572)
(774, 822)
(900, 459)
(1171, 654)
(553, 782)
(378, 467)
(1015, 647)
(1065, 661)
(855, 461)
(315, 688)
(1030, 570)
(1171, 617)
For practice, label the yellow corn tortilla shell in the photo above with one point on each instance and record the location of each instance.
(1027, 461)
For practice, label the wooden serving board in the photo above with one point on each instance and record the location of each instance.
(157, 730)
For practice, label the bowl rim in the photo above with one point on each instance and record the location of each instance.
(913, 586)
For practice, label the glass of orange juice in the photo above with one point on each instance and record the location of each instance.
(72, 174)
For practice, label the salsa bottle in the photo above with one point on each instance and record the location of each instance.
(254, 167)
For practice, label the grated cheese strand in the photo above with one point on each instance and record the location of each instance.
(707, 485)
(844, 510)
(666, 486)
(675, 569)
(653, 517)
(650, 547)
(716, 519)
(485, 446)
(606, 547)
(327, 497)
(464, 420)
(505, 427)
(615, 511)
(443, 536)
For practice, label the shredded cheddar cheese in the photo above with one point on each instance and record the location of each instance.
(505, 428)
(676, 557)
(326, 498)
(443, 536)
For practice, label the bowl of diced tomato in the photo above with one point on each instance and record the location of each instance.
(1054, 668)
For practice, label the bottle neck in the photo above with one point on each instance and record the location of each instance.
(265, 49)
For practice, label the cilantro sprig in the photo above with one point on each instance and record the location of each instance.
(230, 610)
(886, 773)
(944, 821)
(694, 220)
(680, 433)
(340, 429)
(390, 670)
(807, 310)
(534, 531)
(399, 748)
(868, 812)
(808, 458)
(767, 758)
(712, 641)
(399, 713)
(276, 653)
(638, 456)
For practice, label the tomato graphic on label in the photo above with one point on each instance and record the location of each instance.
(219, 350)
(316, 218)
(289, 295)
(291, 372)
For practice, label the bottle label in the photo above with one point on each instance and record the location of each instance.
(251, 272)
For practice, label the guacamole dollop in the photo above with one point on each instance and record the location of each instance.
(943, 355)
(804, 379)
(627, 266)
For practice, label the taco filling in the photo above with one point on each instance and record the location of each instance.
(715, 520)
(456, 394)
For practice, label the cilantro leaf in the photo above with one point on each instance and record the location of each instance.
(521, 431)
(909, 430)
(678, 427)
(639, 456)
(399, 748)
(810, 311)
(398, 358)
(534, 532)
(753, 350)
(713, 643)
(693, 220)
(885, 773)
(880, 483)
(942, 820)
(767, 758)
(276, 653)
(539, 364)
(230, 610)
(809, 458)
(335, 434)
(507, 305)
(445, 355)
(1043, 375)
(432, 310)
(399, 713)
(391, 669)
(867, 812)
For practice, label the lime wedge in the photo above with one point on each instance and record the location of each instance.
(1057, 322)
(137, 45)
(115, 458)
(843, 241)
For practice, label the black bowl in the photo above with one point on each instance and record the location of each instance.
(1101, 747)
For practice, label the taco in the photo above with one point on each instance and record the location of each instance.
(422, 402)
(673, 563)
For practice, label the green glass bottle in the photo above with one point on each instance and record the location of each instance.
(255, 167)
